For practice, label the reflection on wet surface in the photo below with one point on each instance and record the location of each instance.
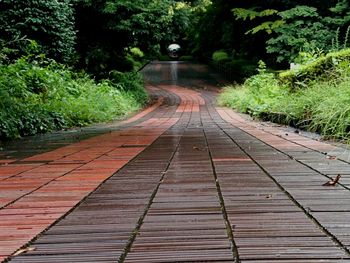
(174, 75)
(180, 73)
(172, 72)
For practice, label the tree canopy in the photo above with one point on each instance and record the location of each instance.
(49, 23)
(97, 35)
(278, 29)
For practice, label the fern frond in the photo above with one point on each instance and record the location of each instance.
(242, 13)
(268, 27)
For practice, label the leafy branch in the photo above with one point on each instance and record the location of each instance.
(242, 13)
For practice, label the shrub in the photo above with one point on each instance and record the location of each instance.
(186, 58)
(219, 56)
(37, 95)
(136, 53)
(320, 68)
(136, 57)
(321, 105)
(239, 69)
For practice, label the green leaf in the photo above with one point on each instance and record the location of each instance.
(267, 27)
(242, 13)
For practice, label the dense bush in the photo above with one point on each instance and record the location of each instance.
(235, 69)
(239, 69)
(39, 96)
(186, 58)
(321, 104)
(319, 68)
(220, 55)
(136, 57)
(49, 23)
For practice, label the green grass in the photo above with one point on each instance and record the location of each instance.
(38, 96)
(321, 105)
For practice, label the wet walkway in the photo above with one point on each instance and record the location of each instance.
(183, 181)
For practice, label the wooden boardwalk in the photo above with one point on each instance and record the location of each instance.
(183, 181)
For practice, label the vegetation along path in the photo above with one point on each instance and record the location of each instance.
(183, 181)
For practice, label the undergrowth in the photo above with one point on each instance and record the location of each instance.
(316, 103)
(37, 96)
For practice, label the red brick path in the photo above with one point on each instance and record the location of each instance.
(37, 191)
(183, 181)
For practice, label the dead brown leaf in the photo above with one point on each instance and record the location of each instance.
(333, 182)
(198, 149)
(24, 250)
(330, 157)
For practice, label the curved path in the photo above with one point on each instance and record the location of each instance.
(183, 181)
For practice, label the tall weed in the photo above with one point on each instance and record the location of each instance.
(323, 105)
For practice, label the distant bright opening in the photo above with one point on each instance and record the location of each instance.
(174, 50)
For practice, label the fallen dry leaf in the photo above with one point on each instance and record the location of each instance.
(333, 182)
(24, 250)
(197, 148)
(330, 157)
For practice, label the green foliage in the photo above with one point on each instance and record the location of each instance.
(216, 29)
(203, 33)
(321, 105)
(238, 69)
(135, 57)
(308, 57)
(268, 27)
(306, 30)
(303, 30)
(164, 58)
(257, 93)
(336, 41)
(49, 23)
(107, 28)
(136, 52)
(346, 38)
(242, 13)
(235, 69)
(186, 58)
(320, 68)
(37, 95)
(278, 29)
(299, 11)
(340, 16)
(220, 55)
